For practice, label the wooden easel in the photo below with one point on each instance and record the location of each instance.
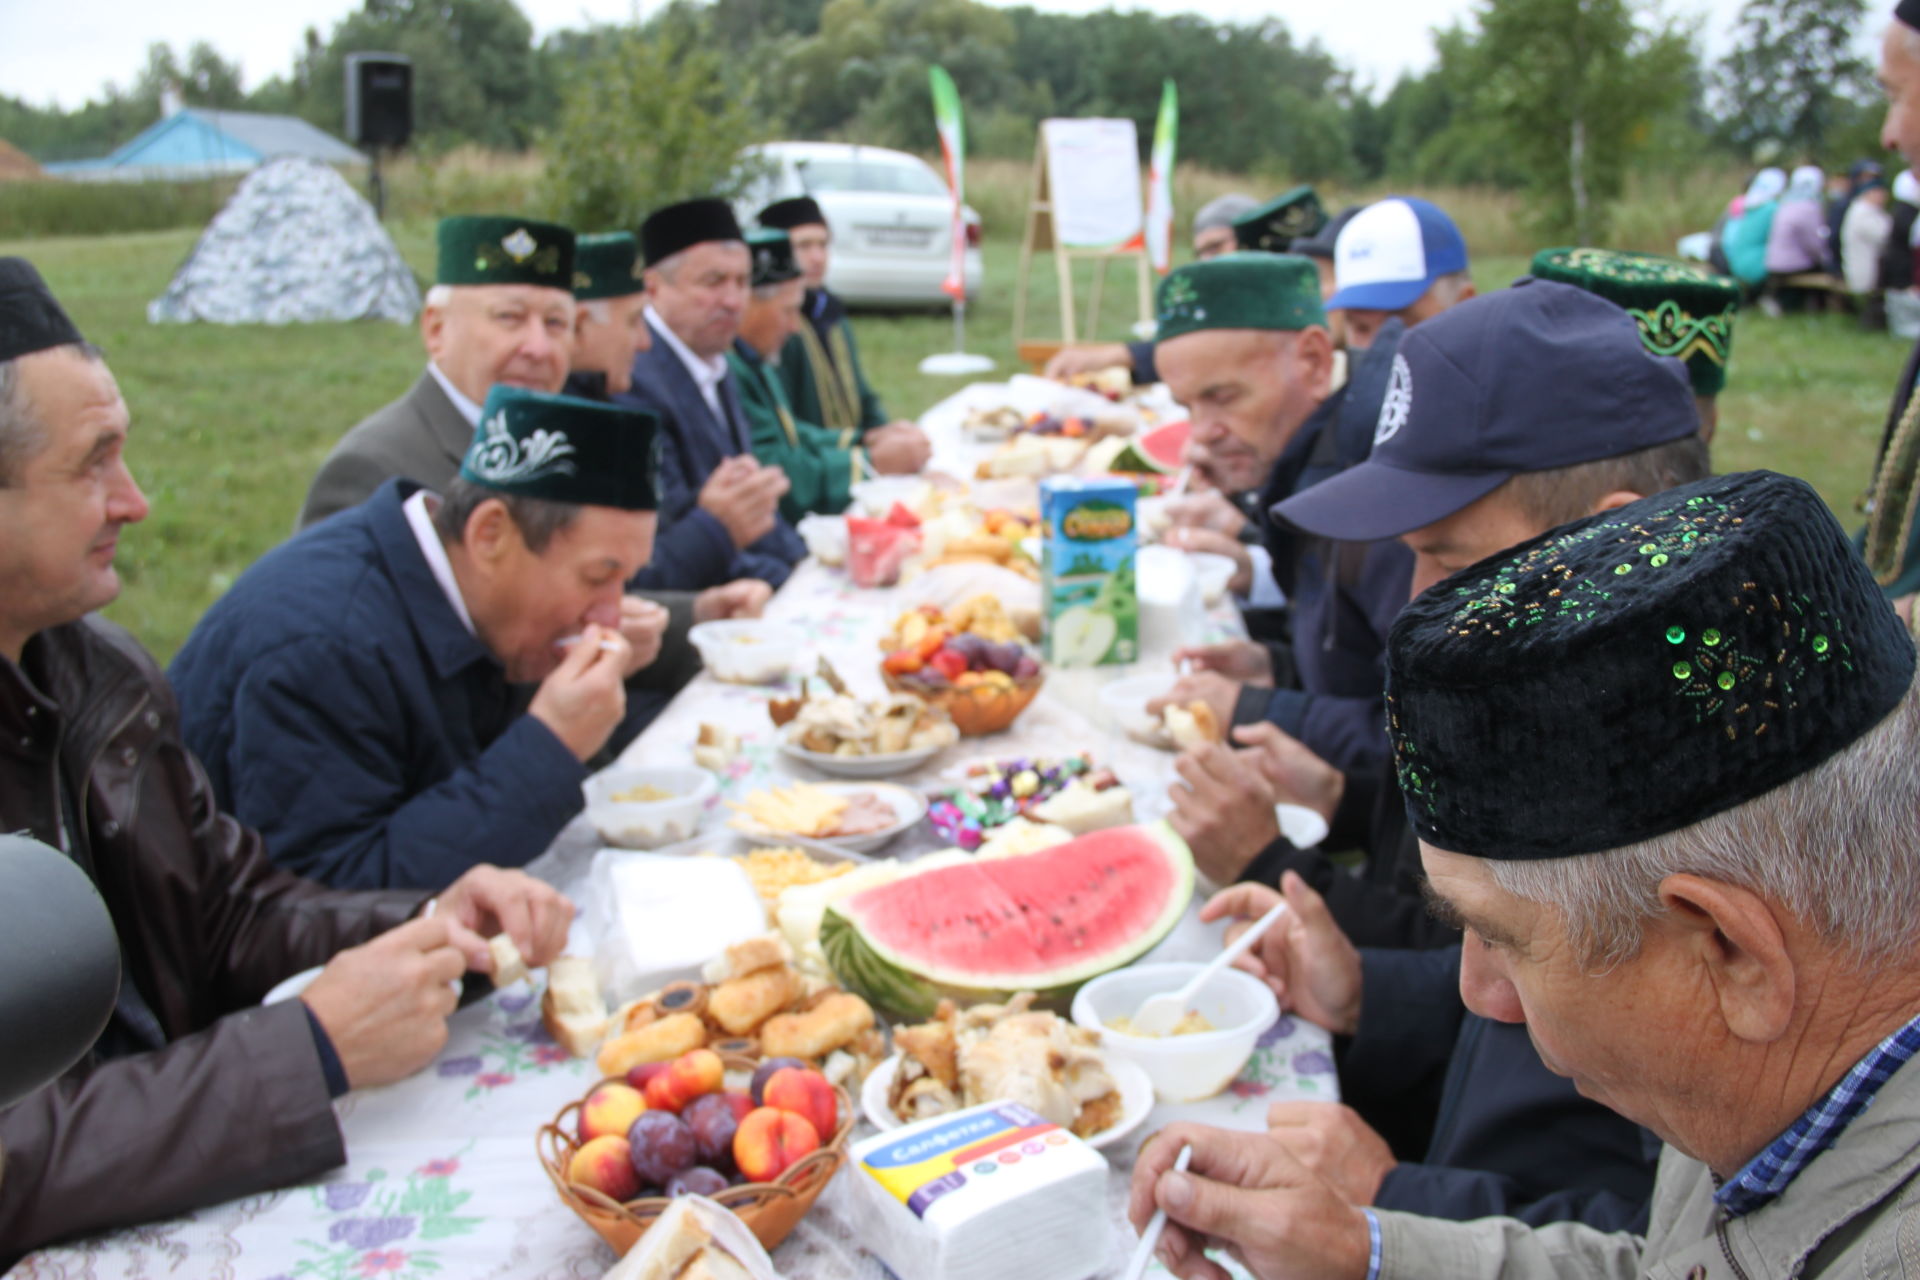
(1040, 238)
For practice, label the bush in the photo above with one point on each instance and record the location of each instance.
(56, 208)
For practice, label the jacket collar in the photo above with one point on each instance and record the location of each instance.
(1877, 1154)
(449, 646)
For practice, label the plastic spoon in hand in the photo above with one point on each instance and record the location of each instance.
(1150, 1238)
(1157, 1015)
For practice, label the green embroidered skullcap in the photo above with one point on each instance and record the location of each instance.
(1241, 291)
(606, 266)
(1682, 309)
(478, 249)
(1629, 674)
(531, 444)
(1275, 225)
(773, 260)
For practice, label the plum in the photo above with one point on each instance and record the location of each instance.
(713, 1119)
(764, 1072)
(1027, 668)
(662, 1145)
(697, 1181)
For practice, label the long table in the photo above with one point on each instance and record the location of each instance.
(442, 1180)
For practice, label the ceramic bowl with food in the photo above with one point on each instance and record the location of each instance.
(1237, 1006)
(647, 807)
(905, 808)
(1136, 1098)
(747, 650)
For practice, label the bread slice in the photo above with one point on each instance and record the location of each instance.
(667, 1248)
(742, 958)
(572, 1009)
(509, 966)
(714, 1263)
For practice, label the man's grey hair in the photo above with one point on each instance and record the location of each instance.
(1836, 848)
(1555, 496)
(598, 308)
(439, 295)
(538, 519)
(21, 431)
(1223, 211)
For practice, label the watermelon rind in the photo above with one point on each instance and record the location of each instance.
(909, 987)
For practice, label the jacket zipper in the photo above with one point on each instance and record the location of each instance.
(86, 778)
(1726, 1247)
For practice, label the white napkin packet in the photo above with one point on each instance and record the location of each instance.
(656, 917)
(982, 1194)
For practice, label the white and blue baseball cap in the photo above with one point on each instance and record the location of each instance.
(1392, 252)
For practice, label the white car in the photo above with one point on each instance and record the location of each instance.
(890, 213)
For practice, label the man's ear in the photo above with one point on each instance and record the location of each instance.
(491, 535)
(433, 328)
(1614, 501)
(1734, 941)
(1313, 352)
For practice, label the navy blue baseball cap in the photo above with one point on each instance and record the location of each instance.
(1538, 376)
(1392, 252)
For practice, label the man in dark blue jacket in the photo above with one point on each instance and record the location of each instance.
(698, 272)
(360, 694)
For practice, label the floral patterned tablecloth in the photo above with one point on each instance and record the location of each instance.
(442, 1180)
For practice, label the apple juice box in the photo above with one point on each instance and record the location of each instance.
(1087, 577)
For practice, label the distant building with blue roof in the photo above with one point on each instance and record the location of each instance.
(198, 142)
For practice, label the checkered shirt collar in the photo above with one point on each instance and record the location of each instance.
(1768, 1174)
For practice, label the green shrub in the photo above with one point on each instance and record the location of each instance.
(55, 208)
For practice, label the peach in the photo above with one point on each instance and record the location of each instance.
(689, 1076)
(610, 1109)
(606, 1165)
(638, 1076)
(770, 1141)
(805, 1092)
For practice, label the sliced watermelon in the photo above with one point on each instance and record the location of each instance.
(1044, 922)
(1156, 452)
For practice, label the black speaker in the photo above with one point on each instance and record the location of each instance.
(379, 99)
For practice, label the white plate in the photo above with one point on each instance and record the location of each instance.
(907, 806)
(1136, 1097)
(288, 988)
(874, 766)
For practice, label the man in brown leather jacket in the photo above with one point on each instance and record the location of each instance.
(194, 1093)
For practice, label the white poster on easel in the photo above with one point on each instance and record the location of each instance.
(1093, 181)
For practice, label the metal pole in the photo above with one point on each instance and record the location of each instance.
(379, 186)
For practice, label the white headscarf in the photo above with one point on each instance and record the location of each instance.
(1906, 187)
(1806, 183)
(1767, 185)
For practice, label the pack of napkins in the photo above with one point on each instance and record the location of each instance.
(982, 1194)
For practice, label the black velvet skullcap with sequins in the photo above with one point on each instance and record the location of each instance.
(31, 319)
(1632, 673)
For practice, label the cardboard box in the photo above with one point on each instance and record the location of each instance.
(1088, 595)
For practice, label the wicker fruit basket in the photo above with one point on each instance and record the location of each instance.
(770, 1209)
(980, 709)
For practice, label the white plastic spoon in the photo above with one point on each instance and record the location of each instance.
(1157, 1015)
(1143, 1252)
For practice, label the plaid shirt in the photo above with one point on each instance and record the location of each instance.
(1769, 1173)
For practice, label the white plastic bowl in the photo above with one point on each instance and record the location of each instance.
(1126, 701)
(826, 538)
(1182, 1068)
(746, 650)
(653, 825)
(875, 498)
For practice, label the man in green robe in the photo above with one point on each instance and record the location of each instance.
(820, 364)
(822, 463)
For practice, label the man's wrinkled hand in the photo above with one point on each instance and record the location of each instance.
(1245, 1193)
(583, 698)
(1223, 809)
(643, 624)
(1219, 693)
(384, 1004)
(1241, 661)
(1304, 957)
(489, 900)
(742, 598)
(1297, 775)
(1332, 1141)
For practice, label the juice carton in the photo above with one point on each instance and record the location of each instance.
(1087, 580)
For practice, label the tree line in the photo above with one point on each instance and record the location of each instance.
(1561, 97)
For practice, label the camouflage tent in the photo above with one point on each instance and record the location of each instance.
(295, 245)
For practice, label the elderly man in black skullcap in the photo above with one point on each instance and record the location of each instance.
(1660, 762)
(193, 1094)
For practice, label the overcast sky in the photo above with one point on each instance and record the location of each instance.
(65, 52)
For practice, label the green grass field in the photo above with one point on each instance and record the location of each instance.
(230, 423)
